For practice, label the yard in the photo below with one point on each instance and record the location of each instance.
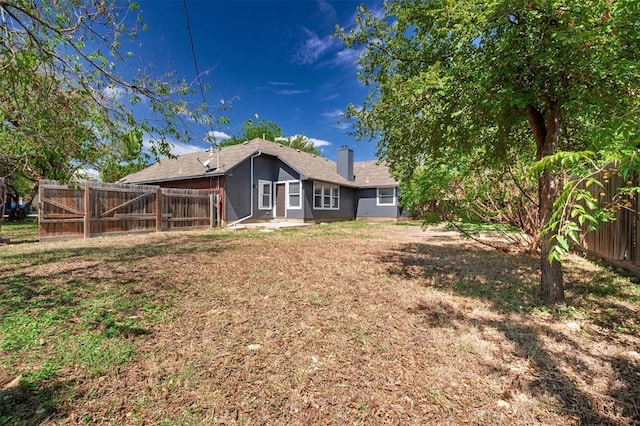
(347, 323)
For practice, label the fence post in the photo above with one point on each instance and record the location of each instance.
(158, 209)
(87, 210)
(218, 210)
(1, 204)
(212, 206)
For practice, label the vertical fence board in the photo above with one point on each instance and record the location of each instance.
(2, 192)
(86, 224)
(158, 207)
(616, 240)
(95, 209)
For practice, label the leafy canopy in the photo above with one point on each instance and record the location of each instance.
(460, 74)
(270, 131)
(487, 80)
(66, 101)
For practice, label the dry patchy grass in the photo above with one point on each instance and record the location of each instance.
(345, 323)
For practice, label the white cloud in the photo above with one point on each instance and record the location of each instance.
(219, 136)
(112, 92)
(291, 92)
(281, 83)
(326, 8)
(285, 88)
(331, 97)
(184, 148)
(312, 48)
(88, 173)
(333, 115)
(347, 57)
(319, 143)
(336, 116)
(177, 148)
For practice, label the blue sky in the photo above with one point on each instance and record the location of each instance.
(276, 59)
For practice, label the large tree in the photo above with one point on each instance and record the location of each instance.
(65, 101)
(270, 131)
(462, 76)
(47, 130)
(252, 129)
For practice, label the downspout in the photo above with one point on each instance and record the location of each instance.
(251, 202)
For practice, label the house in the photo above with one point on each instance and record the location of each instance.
(260, 180)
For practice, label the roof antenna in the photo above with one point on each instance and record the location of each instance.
(206, 164)
(213, 144)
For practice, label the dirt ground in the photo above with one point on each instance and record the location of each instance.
(352, 324)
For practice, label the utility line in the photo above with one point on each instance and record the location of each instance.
(195, 59)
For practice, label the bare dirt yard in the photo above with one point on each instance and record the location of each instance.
(350, 323)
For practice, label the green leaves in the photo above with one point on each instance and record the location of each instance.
(563, 160)
(65, 103)
(270, 131)
(450, 79)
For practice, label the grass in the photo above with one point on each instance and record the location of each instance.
(66, 313)
(20, 232)
(353, 322)
(475, 228)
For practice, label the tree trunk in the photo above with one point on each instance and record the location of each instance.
(545, 129)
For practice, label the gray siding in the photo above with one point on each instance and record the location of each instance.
(286, 173)
(347, 205)
(354, 203)
(367, 200)
(238, 192)
(264, 168)
(238, 187)
(297, 213)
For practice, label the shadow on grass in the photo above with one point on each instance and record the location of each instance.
(83, 306)
(130, 253)
(628, 379)
(83, 273)
(509, 283)
(28, 404)
(551, 385)
(553, 381)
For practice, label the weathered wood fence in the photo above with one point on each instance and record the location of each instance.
(91, 209)
(2, 200)
(616, 241)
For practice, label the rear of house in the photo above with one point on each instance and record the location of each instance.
(260, 180)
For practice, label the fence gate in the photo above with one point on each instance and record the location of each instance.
(92, 209)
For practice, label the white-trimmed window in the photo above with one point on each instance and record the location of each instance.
(326, 196)
(294, 195)
(264, 195)
(386, 196)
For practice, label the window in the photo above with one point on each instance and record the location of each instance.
(386, 196)
(293, 200)
(264, 195)
(326, 197)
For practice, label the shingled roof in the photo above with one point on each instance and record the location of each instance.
(191, 166)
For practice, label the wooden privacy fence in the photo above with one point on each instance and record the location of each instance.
(616, 241)
(2, 192)
(92, 209)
